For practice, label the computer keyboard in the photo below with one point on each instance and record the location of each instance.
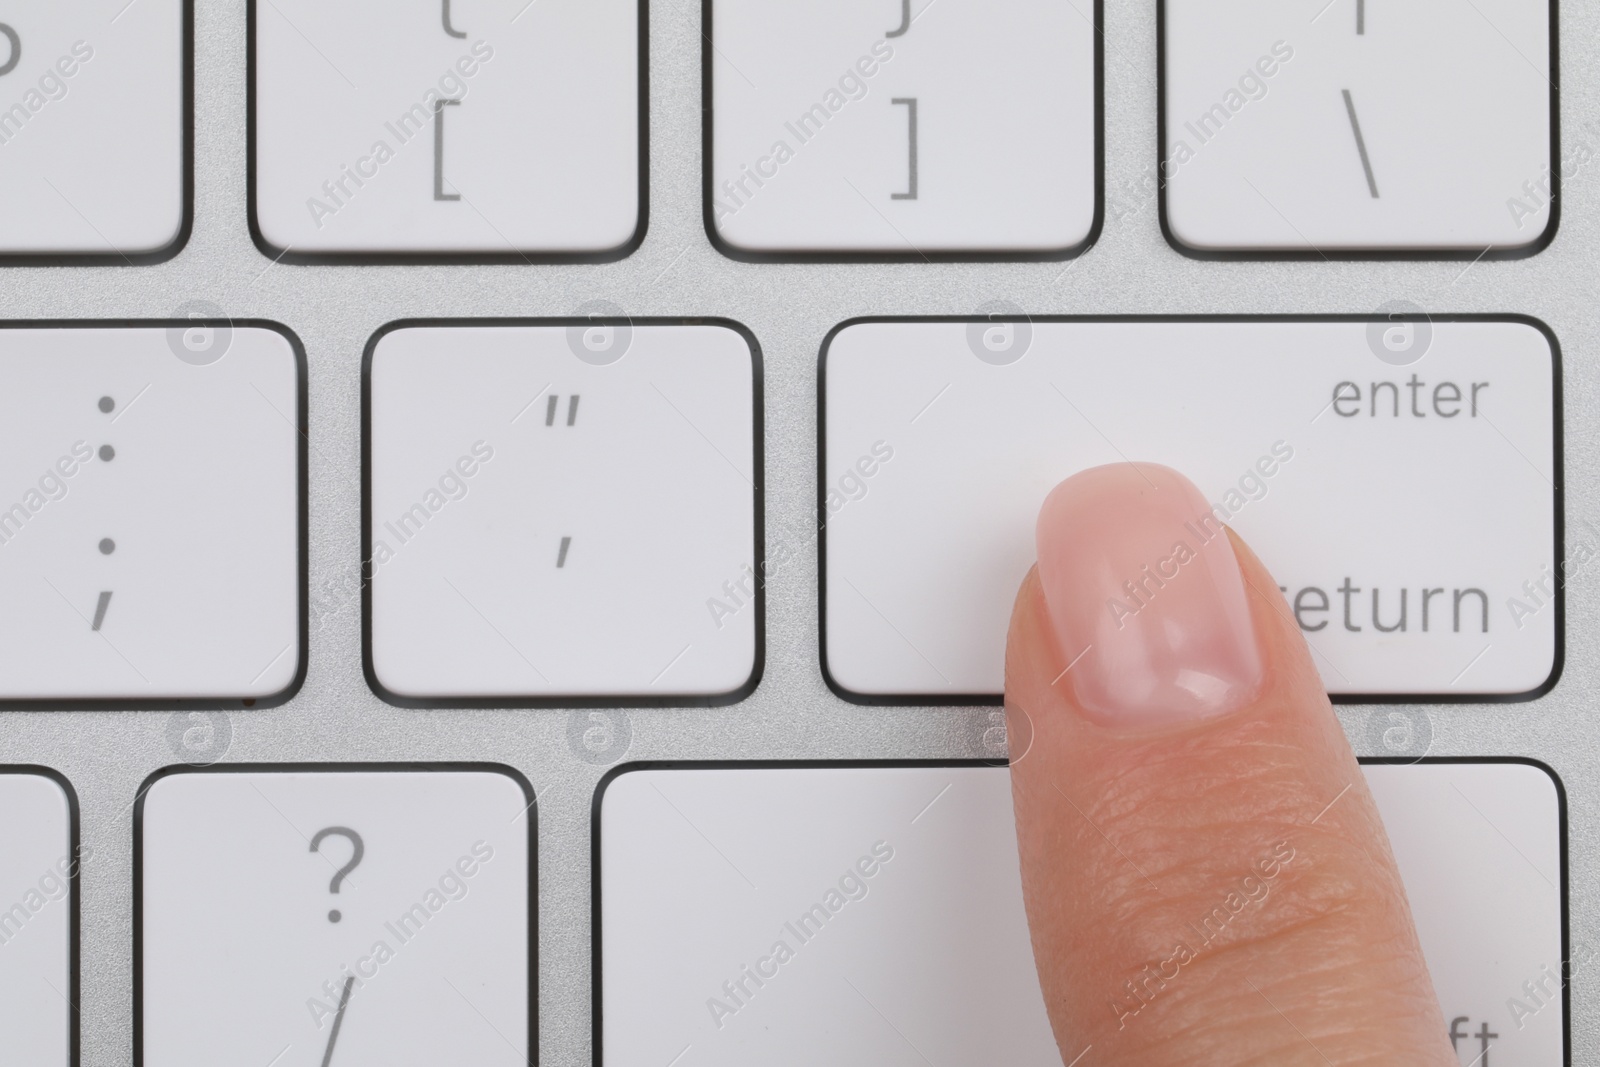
(509, 508)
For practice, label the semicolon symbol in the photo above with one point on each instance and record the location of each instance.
(100, 611)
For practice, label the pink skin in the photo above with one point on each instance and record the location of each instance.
(1167, 744)
(1180, 646)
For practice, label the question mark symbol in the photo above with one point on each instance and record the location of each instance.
(355, 859)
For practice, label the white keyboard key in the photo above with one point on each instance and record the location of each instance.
(473, 130)
(738, 908)
(1471, 838)
(563, 510)
(39, 859)
(1410, 509)
(1362, 126)
(94, 130)
(903, 128)
(313, 915)
(151, 513)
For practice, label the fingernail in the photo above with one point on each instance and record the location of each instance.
(1146, 597)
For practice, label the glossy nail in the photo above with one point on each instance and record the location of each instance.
(1146, 598)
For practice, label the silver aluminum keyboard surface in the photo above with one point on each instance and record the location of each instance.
(790, 308)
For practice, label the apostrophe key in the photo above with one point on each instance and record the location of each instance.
(561, 511)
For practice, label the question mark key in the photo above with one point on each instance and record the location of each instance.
(329, 905)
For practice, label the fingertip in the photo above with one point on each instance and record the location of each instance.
(1134, 820)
